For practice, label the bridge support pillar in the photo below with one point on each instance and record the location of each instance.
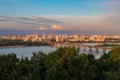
(67, 44)
(97, 50)
(61, 45)
(84, 48)
(90, 49)
(78, 47)
(56, 45)
(104, 50)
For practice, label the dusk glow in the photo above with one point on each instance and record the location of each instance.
(59, 39)
(87, 15)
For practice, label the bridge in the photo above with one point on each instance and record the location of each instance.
(85, 48)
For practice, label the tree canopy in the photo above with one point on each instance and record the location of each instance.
(62, 64)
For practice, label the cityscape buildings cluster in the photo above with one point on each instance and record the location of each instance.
(64, 38)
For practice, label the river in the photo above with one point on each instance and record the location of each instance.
(27, 51)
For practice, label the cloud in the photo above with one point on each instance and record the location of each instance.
(41, 28)
(56, 27)
(29, 20)
(96, 23)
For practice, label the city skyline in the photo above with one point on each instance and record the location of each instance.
(63, 37)
(86, 15)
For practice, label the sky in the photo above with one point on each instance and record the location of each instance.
(87, 15)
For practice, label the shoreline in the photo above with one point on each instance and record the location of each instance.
(18, 46)
(10, 47)
(3, 47)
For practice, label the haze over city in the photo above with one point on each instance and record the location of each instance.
(82, 15)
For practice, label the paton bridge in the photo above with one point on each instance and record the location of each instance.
(84, 48)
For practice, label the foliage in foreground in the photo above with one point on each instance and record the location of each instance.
(62, 64)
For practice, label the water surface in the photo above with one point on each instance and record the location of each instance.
(26, 51)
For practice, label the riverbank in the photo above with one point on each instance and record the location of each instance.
(10, 47)
(15, 43)
(109, 45)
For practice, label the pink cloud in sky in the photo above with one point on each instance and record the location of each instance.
(56, 27)
(41, 28)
